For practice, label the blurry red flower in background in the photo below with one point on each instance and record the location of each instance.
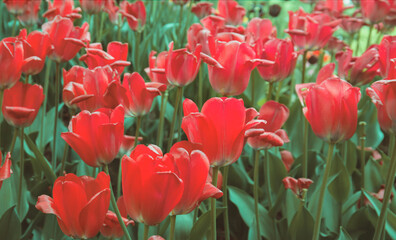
(92, 6)
(231, 11)
(375, 10)
(202, 9)
(135, 13)
(62, 8)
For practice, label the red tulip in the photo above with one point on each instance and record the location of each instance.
(230, 70)
(383, 95)
(298, 186)
(182, 66)
(5, 170)
(281, 52)
(11, 62)
(66, 39)
(351, 24)
(135, 13)
(213, 23)
(202, 9)
(16, 7)
(331, 109)
(92, 6)
(311, 31)
(113, 11)
(150, 185)
(274, 115)
(111, 227)
(21, 103)
(115, 57)
(180, 2)
(231, 11)
(85, 88)
(258, 31)
(193, 169)
(332, 7)
(335, 45)
(287, 159)
(134, 94)
(62, 8)
(386, 51)
(29, 16)
(80, 204)
(156, 69)
(358, 70)
(375, 10)
(221, 128)
(198, 35)
(96, 137)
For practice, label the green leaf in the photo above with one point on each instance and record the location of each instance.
(10, 227)
(245, 204)
(45, 166)
(277, 173)
(202, 225)
(373, 178)
(344, 235)
(339, 188)
(301, 226)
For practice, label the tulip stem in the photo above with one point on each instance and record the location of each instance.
(316, 232)
(137, 43)
(65, 153)
(14, 26)
(225, 203)
(14, 136)
(388, 190)
(369, 36)
(164, 102)
(357, 46)
(21, 173)
(55, 115)
(267, 178)
(253, 95)
(101, 27)
(196, 210)
(46, 82)
(200, 85)
(269, 93)
(278, 90)
(213, 203)
(175, 113)
(256, 193)
(180, 116)
(172, 227)
(114, 204)
(146, 231)
(305, 149)
(303, 66)
(362, 159)
(1, 113)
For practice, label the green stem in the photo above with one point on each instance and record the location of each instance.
(115, 207)
(195, 214)
(14, 26)
(362, 160)
(256, 194)
(388, 190)
(213, 203)
(46, 83)
(253, 92)
(27, 78)
(278, 90)
(225, 203)
(101, 27)
(175, 113)
(369, 36)
(316, 232)
(357, 43)
(146, 231)
(22, 170)
(137, 43)
(200, 85)
(267, 178)
(96, 30)
(65, 153)
(164, 102)
(180, 116)
(1, 113)
(304, 61)
(269, 93)
(13, 140)
(305, 149)
(172, 227)
(137, 132)
(55, 115)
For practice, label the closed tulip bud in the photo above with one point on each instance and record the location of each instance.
(80, 204)
(21, 104)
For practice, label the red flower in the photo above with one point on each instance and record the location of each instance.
(331, 109)
(5, 170)
(193, 169)
(383, 95)
(111, 227)
(281, 52)
(182, 66)
(274, 115)
(11, 62)
(113, 11)
(180, 2)
(311, 31)
(287, 159)
(29, 16)
(198, 35)
(134, 94)
(156, 69)
(92, 6)
(150, 185)
(351, 24)
(221, 128)
(387, 51)
(202, 9)
(358, 70)
(66, 39)
(258, 31)
(16, 7)
(115, 57)
(62, 8)
(298, 186)
(135, 13)
(85, 88)
(213, 23)
(21, 103)
(230, 68)
(96, 137)
(231, 11)
(335, 45)
(375, 10)
(80, 204)
(332, 7)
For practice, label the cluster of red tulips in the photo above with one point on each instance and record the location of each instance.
(203, 129)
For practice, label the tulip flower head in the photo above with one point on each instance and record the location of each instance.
(11, 62)
(62, 8)
(156, 69)
(111, 227)
(231, 11)
(298, 186)
(375, 10)
(5, 170)
(92, 6)
(202, 9)
(387, 52)
(80, 204)
(135, 13)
